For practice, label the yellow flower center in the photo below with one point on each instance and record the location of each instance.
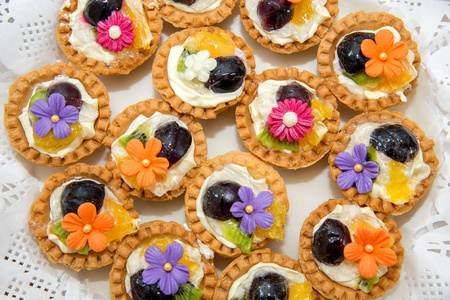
(368, 248)
(167, 267)
(249, 209)
(383, 56)
(290, 119)
(55, 118)
(145, 163)
(358, 168)
(87, 228)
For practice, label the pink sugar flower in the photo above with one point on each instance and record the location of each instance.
(116, 32)
(290, 120)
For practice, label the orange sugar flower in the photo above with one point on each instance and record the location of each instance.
(87, 227)
(295, 1)
(384, 55)
(144, 164)
(370, 248)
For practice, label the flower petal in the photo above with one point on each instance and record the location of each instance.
(248, 224)
(371, 169)
(167, 284)
(76, 240)
(135, 149)
(69, 114)
(152, 148)
(41, 109)
(154, 256)
(238, 209)
(346, 179)
(152, 274)
(381, 237)
(385, 256)
(360, 153)
(61, 130)
(392, 68)
(145, 177)
(367, 266)
(363, 236)
(345, 161)
(369, 49)
(42, 126)
(103, 222)
(97, 241)
(263, 200)
(159, 165)
(173, 253)
(87, 212)
(364, 184)
(56, 102)
(246, 195)
(72, 222)
(353, 251)
(180, 273)
(264, 219)
(384, 40)
(374, 67)
(130, 167)
(398, 51)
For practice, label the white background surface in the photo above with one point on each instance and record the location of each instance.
(27, 29)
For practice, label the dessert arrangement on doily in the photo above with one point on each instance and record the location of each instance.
(306, 138)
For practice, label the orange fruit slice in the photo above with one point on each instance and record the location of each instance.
(321, 110)
(141, 30)
(358, 222)
(391, 84)
(300, 291)
(123, 223)
(302, 12)
(278, 211)
(52, 144)
(217, 44)
(397, 188)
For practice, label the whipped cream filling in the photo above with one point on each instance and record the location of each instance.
(230, 172)
(347, 273)
(136, 262)
(241, 285)
(88, 115)
(415, 170)
(290, 32)
(362, 92)
(200, 6)
(174, 175)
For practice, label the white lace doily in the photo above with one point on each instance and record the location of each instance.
(27, 30)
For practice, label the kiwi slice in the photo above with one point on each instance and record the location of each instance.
(362, 78)
(232, 232)
(188, 292)
(141, 133)
(62, 235)
(188, 50)
(371, 154)
(367, 284)
(272, 143)
(38, 95)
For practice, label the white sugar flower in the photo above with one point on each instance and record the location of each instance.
(199, 65)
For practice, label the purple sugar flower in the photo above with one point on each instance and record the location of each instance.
(54, 113)
(251, 210)
(164, 268)
(356, 170)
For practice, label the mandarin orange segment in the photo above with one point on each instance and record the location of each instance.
(321, 110)
(131, 180)
(217, 44)
(278, 211)
(300, 291)
(390, 84)
(358, 222)
(397, 188)
(302, 12)
(141, 30)
(123, 225)
(52, 144)
(310, 140)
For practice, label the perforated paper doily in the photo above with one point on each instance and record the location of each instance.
(27, 29)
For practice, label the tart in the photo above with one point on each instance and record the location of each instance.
(264, 273)
(333, 239)
(288, 26)
(288, 118)
(202, 71)
(236, 204)
(369, 61)
(150, 249)
(384, 161)
(109, 37)
(195, 13)
(180, 150)
(76, 125)
(80, 216)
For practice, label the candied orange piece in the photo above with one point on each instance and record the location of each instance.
(302, 12)
(397, 188)
(358, 222)
(141, 30)
(123, 223)
(276, 231)
(217, 44)
(321, 109)
(310, 140)
(52, 144)
(300, 291)
(388, 84)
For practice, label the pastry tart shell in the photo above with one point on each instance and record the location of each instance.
(40, 217)
(127, 60)
(20, 93)
(321, 282)
(292, 47)
(327, 49)
(376, 204)
(147, 108)
(147, 231)
(301, 159)
(161, 79)
(257, 169)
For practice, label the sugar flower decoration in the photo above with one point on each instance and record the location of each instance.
(116, 32)
(164, 268)
(356, 170)
(199, 65)
(144, 163)
(290, 120)
(87, 227)
(251, 209)
(54, 114)
(384, 55)
(370, 248)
